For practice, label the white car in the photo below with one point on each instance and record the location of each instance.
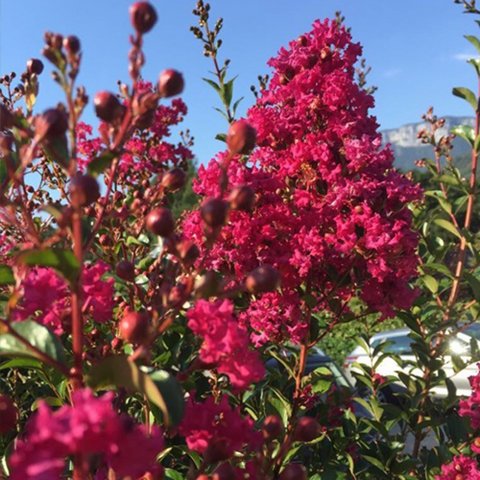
(400, 345)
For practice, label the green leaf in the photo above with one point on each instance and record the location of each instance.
(430, 283)
(222, 137)
(64, 261)
(172, 394)
(56, 151)
(476, 64)
(227, 92)
(467, 95)
(474, 41)
(236, 104)
(3, 170)
(38, 336)
(466, 132)
(213, 84)
(119, 371)
(6, 275)
(21, 363)
(474, 283)
(448, 226)
(99, 164)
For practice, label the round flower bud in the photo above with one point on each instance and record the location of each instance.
(174, 179)
(242, 198)
(143, 16)
(306, 430)
(6, 143)
(8, 414)
(272, 427)
(6, 117)
(107, 107)
(71, 44)
(125, 270)
(241, 137)
(133, 327)
(170, 83)
(34, 66)
(263, 279)
(160, 222)
(214, 212)
(84, 190)
(188, 252)
(293, 471)
(50, 124)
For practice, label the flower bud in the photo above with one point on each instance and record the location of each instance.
(8, 414)
(34, 66)
(6, 117)
(293, 471)
(51, 124)
(84, 190)
(6, 143)
(242, 198)
(71, 44)
(174, 179)
(160, 222)
(263, 279)
(125, 270)
(306, 430)
(272, 427)
(241, 137)
(134, 326)
(188, 252)
(107, 107)
(214, 212)
(143, 16)
(170, 83)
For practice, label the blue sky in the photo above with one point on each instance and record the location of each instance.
(416, 49)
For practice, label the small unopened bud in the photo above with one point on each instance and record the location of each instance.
(306, 430)
(174, 179)
(6, 117)
(170, 83)
(188, 252)
(294, 471)
(272, 427)
(8, 414)
(107, 107)
(143, 16)
(34, 66)
(214, 212)
(71, 44)
(50, 124)
(6, 143)
(134, 326)
(242, 198)
(241, 138)
(160, 222)
(125, 270)
(84, 190)
(263, 279)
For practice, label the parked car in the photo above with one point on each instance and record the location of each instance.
(399, 343)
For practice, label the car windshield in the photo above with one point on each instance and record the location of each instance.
(399, 344)
(473, 330)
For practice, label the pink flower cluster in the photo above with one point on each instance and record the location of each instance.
(225, 343)
(330, 212)
(217, 430)
(461, 468)
(89, 427)
(146, 154)
(46, 296)
(470, 406)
